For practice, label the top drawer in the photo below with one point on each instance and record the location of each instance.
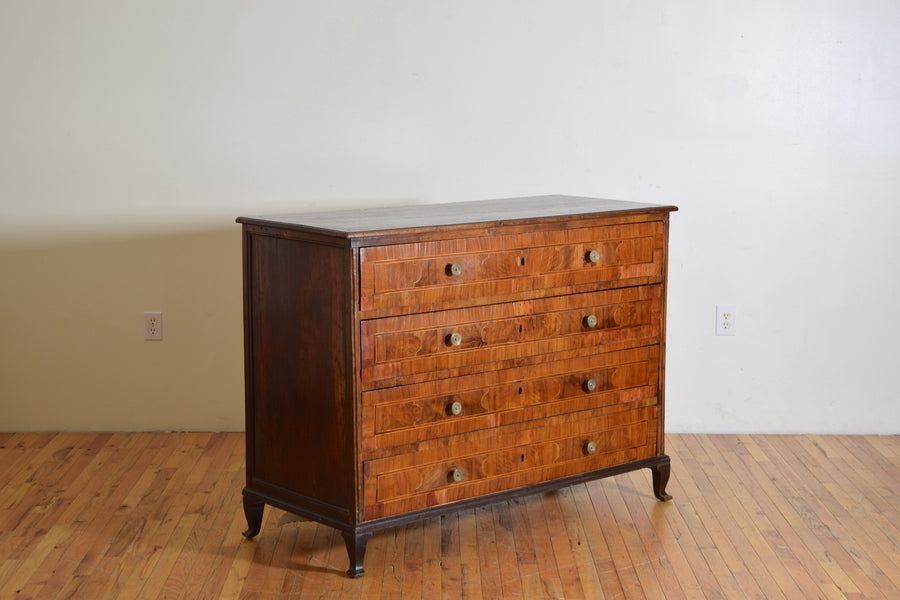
(483, 270)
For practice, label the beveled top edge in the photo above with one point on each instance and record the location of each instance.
(378, 221)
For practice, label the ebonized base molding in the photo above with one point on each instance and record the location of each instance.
(356, 537)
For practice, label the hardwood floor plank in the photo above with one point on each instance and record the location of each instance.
(392, 573)
(578, 544)
(49, 513)
(412, 561)
(451, 569)
(23, 502)
(849, 501)
(431, 564)
(642, 564)
(745, 552)
(239, 568)
(756, 530)
(733, 546)
(843, 538)
(786, 568)
(22, 454)
(489, 560)
(25, 567)
(125, 516)
(805, 555)
(217, 544)
(887, 446)
(595, 541)
(468, 556)
(881, 480)
(164, 514)
(281, 576)
(374, 565)
(623, 568)
(213, 524)
(526, 556)
(641, 505)
(705, 527)
(835, 557)
(543, 547)
(263, 553)
(97, 513)
(507, 557)
(562, 547)
(198, 554)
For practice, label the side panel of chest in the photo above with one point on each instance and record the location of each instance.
(299, 372)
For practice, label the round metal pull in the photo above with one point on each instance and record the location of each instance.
(455, 409)
(454, 270)
(590, 385)
(593, 256)
(590, 448)
(590, 321)
(456, 475)
(454, 339)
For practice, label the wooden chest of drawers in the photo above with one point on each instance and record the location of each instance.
(407, 362)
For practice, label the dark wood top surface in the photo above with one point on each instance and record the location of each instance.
(374, 221)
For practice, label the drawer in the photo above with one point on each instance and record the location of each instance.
(411, 348)
(424, 276)
(399, 416)
(460, 467)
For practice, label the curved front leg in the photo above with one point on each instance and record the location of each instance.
(253, 510)
(660, 479)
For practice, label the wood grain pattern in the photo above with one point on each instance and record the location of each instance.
(297, 373)
(394, 350)
(405, 414)
(540, 336)
(507, 458)
(501, 268)
(753, 516)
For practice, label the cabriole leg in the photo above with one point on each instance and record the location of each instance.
(660, 479)
(356, 551)
(253, 510)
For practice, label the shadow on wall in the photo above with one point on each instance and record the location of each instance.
(73, 357)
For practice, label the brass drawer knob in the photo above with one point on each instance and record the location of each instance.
(592, 257)
(590, 385)
(590, 321)
(454, 270)
(455, 409)
(454, 339)
(455, 475)
(590, 448)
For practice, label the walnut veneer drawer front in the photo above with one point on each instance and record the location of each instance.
(407, 362)
(468, 271)
(396, 419)
(405, 349)
(455, 468)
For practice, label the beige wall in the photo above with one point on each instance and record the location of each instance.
(73, 355)
(133, 133)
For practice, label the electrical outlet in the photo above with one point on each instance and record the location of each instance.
(726, 319)
(153, 326)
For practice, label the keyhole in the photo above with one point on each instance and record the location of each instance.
(520, 391)
(520, 329)
(522, 260)
(523, 458)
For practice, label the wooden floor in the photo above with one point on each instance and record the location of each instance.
(100, 516)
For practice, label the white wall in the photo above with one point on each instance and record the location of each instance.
(775, 126)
